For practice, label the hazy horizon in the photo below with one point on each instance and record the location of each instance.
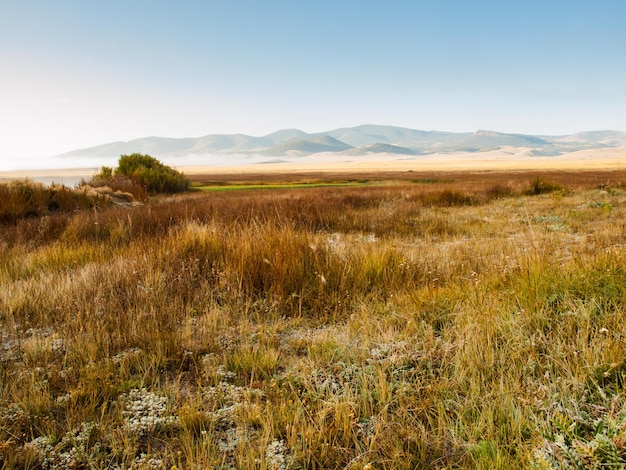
(232, 158)
(82, 74)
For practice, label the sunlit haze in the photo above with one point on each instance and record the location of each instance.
(82, 73)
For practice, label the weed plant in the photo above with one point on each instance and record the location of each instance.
(439, 325)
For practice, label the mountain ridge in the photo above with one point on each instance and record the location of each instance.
(359, 140)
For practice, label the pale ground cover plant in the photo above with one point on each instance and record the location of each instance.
(326, 328)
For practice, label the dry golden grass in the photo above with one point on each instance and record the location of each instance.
(445, 322)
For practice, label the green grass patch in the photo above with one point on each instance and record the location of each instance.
(303, 185)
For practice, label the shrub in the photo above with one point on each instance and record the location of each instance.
(151, 174)
(105, 175)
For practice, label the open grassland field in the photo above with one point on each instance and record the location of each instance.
(430, 320)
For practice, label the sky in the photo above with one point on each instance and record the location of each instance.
(80, 73)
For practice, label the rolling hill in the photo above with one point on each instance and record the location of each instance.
(308, 145)
(390, 149)
(352, 141)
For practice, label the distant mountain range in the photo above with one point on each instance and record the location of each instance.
(346, 142)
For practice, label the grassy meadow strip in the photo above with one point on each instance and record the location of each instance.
(302, 185)
(438, 325)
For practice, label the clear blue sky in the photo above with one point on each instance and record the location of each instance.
(81, 73)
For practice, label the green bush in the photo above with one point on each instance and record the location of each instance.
(152, 174)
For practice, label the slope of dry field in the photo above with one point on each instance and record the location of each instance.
(465, 320)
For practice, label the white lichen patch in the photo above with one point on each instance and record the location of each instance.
(145, 462)
(225, 404)
(145, 411)
(228, 394)
(74, 450)
(366, 429)
(276, 456)
(32, 342)
(127, 353)
(11, 413)
(337, 379)
(387, 351)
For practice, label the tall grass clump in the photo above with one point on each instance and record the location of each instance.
(542, 186)
(449, 197)
(106, 181)
(23, 199)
